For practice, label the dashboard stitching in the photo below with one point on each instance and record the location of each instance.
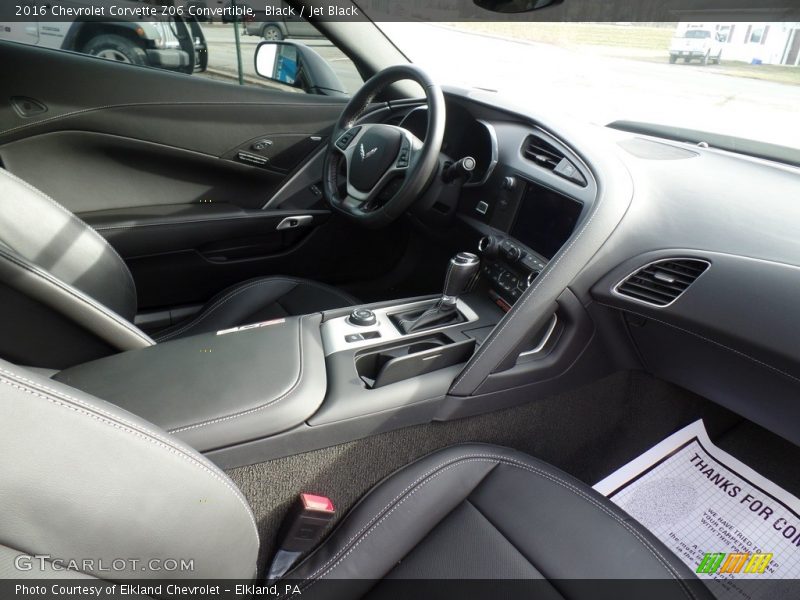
(517, 309)
(709, 340)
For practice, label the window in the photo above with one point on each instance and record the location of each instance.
(724, 33)
(217, 49)
(730, 33)
(224, 62)
(757, 35)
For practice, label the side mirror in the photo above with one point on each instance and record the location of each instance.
(297, 65)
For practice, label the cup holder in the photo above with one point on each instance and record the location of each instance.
(391, 364)
(423, 346)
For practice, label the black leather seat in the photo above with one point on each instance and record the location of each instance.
(483, 512)
(466, 512)
(68, 297)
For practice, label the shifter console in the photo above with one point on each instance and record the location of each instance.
(461, 274)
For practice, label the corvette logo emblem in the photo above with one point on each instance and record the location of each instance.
(364, 154)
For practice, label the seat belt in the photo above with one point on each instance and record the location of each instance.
(301, 531)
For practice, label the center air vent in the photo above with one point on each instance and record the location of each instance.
(542, 153)
(661, 283)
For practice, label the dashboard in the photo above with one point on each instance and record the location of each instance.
(652, 254)
(463, 136)
(531, 201)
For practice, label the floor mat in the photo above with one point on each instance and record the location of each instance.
(727, 522)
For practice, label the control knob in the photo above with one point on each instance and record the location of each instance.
(513, 253)
(488, 246)
(362, 317)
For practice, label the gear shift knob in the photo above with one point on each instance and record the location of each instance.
(463, 268)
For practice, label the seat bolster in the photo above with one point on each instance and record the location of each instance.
(397, 514)
(550, 517)
(82, 479)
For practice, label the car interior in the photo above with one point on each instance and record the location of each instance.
(448, 313)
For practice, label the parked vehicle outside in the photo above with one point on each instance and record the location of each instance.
(283, 23)
(696, 43)
(174, 44)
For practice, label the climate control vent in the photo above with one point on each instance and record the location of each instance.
(661, 283)
(542, 153)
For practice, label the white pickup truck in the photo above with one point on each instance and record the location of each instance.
(702, 44)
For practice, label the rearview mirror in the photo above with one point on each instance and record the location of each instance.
(297, 65)
(515, 6)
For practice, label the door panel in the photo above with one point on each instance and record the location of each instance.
(162, 164)
(89, 172)
(336, 252)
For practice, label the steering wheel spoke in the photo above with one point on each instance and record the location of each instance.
(347, 142)
(378, 155)
(400, 162)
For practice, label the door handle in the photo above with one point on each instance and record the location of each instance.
(294, 222)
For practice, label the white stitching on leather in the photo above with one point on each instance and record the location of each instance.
(430, 311)
(152, 104)
(447, 279)
(464, 459)
(77, 294)
(285, 395)
(184, 222)
(710, 341)
(530, 294)
(64, 400)
(71, 216)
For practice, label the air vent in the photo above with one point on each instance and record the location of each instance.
(662, 282)
(542, 153)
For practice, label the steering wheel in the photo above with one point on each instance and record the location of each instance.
(387, 166)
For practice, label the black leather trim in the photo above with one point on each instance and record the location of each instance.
(158, 229)
(232, 306)
(213, 390)
(84, 310)
(167, 499)
(43, 232)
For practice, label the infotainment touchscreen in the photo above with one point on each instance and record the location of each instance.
(545, 219)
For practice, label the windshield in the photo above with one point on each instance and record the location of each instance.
(744, 83)
(697, 34)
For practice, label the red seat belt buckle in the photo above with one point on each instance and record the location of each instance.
(302, 530)
(306, 522)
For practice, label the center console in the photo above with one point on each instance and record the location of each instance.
(283, 378)
(543, 222)
(298, 383)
